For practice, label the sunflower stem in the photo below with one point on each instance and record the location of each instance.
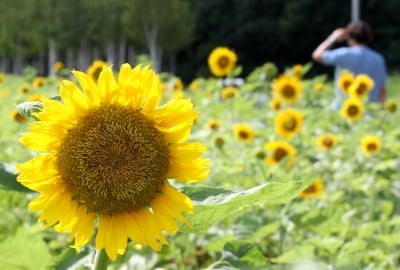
(101, 260)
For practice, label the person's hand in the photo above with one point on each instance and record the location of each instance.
(339, 34)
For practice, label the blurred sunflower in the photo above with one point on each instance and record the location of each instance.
(275, 104)
(194, 86)
(361, 86)
(319, 87)
(38, 82)
(327, 141)
(1, 77)
(178, 85)
(243, 132)
(288, 122)
(352, 109)
(221, 61)
(296, 71)
(314, 189)
(270, 69)
(95, 69)
(36, 97)
(391, 106)
(214, 124)
(25, 89)
(280, 150)
(346, 78)
(106, 154)
(287, 88)
(58, 66)
(17, 116)
(229, 92)
(370, 144)
(5, 93)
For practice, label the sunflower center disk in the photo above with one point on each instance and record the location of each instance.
(288, 91)
(371, 147)
(223, 62)
(310, 189)
(353, 110)
(279, 154)
(328, 142)
(361, 89)
(290, 124)
(114, 160)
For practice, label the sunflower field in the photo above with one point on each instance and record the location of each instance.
(230, 172)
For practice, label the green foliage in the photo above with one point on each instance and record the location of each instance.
(238, 255)
(215, 204)
(24, 250)
(9, 181)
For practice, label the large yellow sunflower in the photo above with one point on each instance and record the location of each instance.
(371, 144)
(243, 132)
(288, 122)
(346, 78)
(280, 150)
(221, 61)
(327, 141)
(361, 86)
(352, 109)
(95, 69)
(287, 88)
(314, 189)
(106, 154)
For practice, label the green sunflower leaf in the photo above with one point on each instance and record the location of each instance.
(241, 255)
(9, 180)
(212, 205)
(70, 259)
(25, 250)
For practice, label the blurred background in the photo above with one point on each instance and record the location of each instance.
(178, 35)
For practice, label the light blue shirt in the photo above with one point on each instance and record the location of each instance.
(358, 60)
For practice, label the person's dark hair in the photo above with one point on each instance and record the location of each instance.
(360, 31)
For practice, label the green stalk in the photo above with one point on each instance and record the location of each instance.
(101, 260)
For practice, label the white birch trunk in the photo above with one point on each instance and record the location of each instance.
(83, 55)
(121, 57)
(70, 59)
(131, 55)
(110, 52)
(52, 56)
(154, 48)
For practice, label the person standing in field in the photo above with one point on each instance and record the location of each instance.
(356, 58)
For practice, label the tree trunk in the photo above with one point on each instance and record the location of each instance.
(70, 62)
(154, 49)
(131, 55)
(121, 57)
(83, 55)
(52, 56)
(4, 63)
(17, 61)
(172, 64)
(110, 52)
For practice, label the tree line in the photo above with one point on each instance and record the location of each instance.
(178, 35)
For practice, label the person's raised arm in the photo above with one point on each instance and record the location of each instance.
(337, 35)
